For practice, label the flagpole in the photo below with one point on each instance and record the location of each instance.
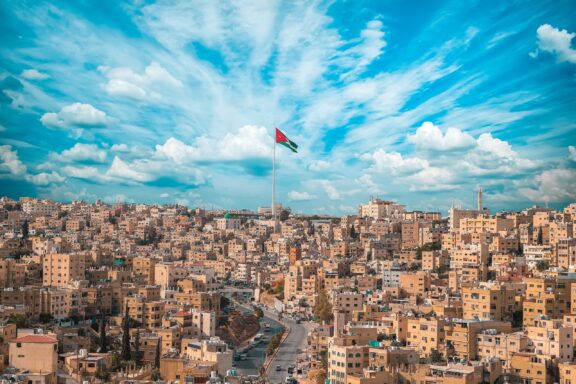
(274, 180)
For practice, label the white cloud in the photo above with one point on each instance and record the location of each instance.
(432, 179)
(493, 145)
(430, 137)
(10, 162)
(45, 178)
(367, 184)
(331, 191)
(82, 152)
(176, 150)
(34, 74)
(347, 209)
(250, 142)
(395, 163)
(118, 198)
(83, 172)
(319, 165)
(12, 166)
(371, 45)
(554, 185)
(75, 115)
(119, 148)
(127, 83)
(572, 152)
(556, 42)
(300, 196)
(122, 170)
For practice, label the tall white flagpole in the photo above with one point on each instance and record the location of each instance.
(274, 180)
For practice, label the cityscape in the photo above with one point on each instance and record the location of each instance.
(135, 293)
(287, 192)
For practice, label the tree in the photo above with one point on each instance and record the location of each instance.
(25, 230)
(158, 354)
(103, 343)
(125, 355)
(436, 356)
(284, 215)
(540, 237)
(274, 343)
(517, 318)
(311, 229)
(259, 313)
(427, 247)
(21, 321)
(224, 301)
(102, 374)
(324, 358)
(542, 265)
(442, 269)
(155, 374)
(414, 267)
(137, 354)
(45, 318)
(116, 363)
(353, 234)
(222, 321)
(491, 275)
(323, 310)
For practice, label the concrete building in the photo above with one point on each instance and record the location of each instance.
(38, 354)
(60, 270)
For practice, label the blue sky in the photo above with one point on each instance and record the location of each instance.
(175, 101)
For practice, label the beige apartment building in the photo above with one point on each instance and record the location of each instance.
(531, 368)
(345, 360)
(552, 338)
(434, 259)
(425, 335)
(461, 335)
(567, 373)
(212, 350)
(60, 270)
(490, 343)
(38, 354)
(196, 324)
(416, 283)
(377, 209)
(166, 274)
(348, 302)
(143, 269)
(456, 215)
(550, 296)
(147, 313)
(488, 302)
(485, 225)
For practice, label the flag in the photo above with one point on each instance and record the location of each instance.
(282, 139)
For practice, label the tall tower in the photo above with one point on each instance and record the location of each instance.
(480, 207)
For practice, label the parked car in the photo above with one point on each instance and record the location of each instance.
(278, 368)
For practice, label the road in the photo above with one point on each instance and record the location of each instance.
(288, 351)
(257, 355)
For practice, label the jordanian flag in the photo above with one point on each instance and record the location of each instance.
(282, 139)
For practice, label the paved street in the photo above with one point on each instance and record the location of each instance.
(256, 355)
(288, 352)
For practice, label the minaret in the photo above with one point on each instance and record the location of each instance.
(480, 200)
